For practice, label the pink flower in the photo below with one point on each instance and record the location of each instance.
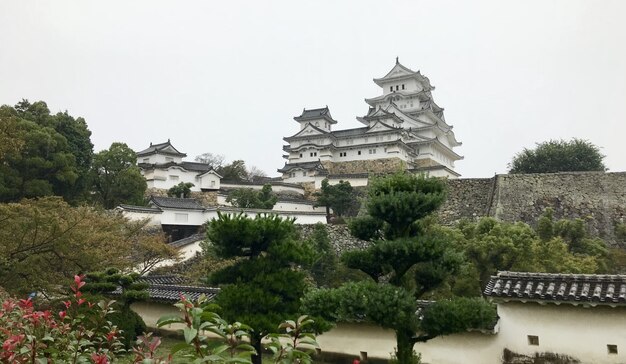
(62, 314)
(99, 358)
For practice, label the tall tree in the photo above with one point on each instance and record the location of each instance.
(215, 160)
(44, 241)
(412, 259)
(235, 171)
(182, 190)
(339, 197)
(263, 287)
(576, 155)
(117, 178)
(252, 199)
(38, 161)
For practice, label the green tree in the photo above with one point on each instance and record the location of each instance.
(182, 189)
(412, 259)
(339, 197)
(263, 289)
(235, 171)
(38, 161)
(45, 241)
(117, 178)
(559, 156)
(250, 198)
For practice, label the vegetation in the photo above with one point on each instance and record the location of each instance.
(559, 156)
(263, 288)
(43, 154)
(117, 179)
(339, 197)
(45, 240)
(252, 199)
(182, 190)
(411, 258)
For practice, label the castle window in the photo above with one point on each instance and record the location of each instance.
(611, 349)
(403, 86)
(173, 178)
(533, 340)
(372, 151)
(300, 155)
(390, 88)
(397, 87)
(359, 152)
(342, 154)
(212, 183)
(181, 217)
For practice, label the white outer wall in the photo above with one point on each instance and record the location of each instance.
(154, 218)
(582, 333)
(194, 217)
(294, 206)
(159, 158)
(354, 182)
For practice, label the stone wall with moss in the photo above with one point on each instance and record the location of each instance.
(598, 198)
(383, 165)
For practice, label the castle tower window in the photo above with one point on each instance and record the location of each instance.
(533, 340)
(359, 152)
(397, 87)
(611, 349)
(403, 86)
(390, 88)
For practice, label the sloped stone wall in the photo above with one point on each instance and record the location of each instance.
(383, 165)
(340, 237)
(598, 198)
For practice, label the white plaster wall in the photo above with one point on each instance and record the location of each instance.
(159, 158)
(153, 218)
(303, 218)
(194, 217)
(294, 206)
(354, 182)
(354, 338)
(209, 180)
(150, 312)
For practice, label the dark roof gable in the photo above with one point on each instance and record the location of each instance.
(313, 114)
(162, 148)
(176, 203)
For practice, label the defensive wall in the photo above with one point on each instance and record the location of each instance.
(597, 197)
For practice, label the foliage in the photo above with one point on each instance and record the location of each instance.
(339, 197)
(44, 241)
(413, 257)
(620, 231)
(324, 266)
(30, 336)
(230, 347)
(366, 228)
(457, 315)
(295, 345)
(182, 190)
(264, 288)
(117, 178)
(235, 171)
(250, 198)
(558, 247)
(46, 154)
(214, 160)
(559, 156)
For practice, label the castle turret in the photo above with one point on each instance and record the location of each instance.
(319, 118)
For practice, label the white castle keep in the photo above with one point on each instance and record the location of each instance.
(404, 129)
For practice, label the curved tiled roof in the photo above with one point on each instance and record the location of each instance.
(587, 289)
(169, 288)
(176, 203)
(161, 148)
(312, 114)
(186, 241)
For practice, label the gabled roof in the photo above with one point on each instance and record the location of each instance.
(379, 126)
(161, 148)
(316, 114)
(307, 131)
(186, 241)
(175, 203)
(575, 289)
(169, 288)
(399, 72)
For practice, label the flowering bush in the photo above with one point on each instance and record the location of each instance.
(32, 336)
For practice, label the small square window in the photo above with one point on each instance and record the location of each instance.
(403, 86)
(397, 87)
(300, 155)
(390, 88)
(533, 340)
(611, 349)
(359, 152)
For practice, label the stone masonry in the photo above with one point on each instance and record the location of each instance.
(384, 165)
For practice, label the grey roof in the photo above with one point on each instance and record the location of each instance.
(148, 209)
(350, 132)
(190, 166)
(159, 148)
(186, 241)
(176, 203)
(312, 114)
(169, 288)
(585, 289)
(304, 165)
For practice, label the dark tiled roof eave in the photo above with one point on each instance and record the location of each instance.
(176, 203)
(575, 289)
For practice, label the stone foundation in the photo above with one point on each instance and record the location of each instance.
(385, 165)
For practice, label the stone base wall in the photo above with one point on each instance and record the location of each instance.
(206, 198)
(384, 165)
(155, 192)
(598, 198)
(340, 237)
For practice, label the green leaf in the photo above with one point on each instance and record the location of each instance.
(169, 319)
(190, 334)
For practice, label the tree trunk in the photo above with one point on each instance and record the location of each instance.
(256, 343)
(404, 346)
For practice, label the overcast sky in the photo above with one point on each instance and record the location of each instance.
(227, 77)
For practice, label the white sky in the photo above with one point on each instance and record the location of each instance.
(227, 77)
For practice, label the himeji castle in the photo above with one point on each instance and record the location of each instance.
(403, 129)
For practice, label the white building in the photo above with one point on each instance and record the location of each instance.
(404, 128)
(163, 167)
